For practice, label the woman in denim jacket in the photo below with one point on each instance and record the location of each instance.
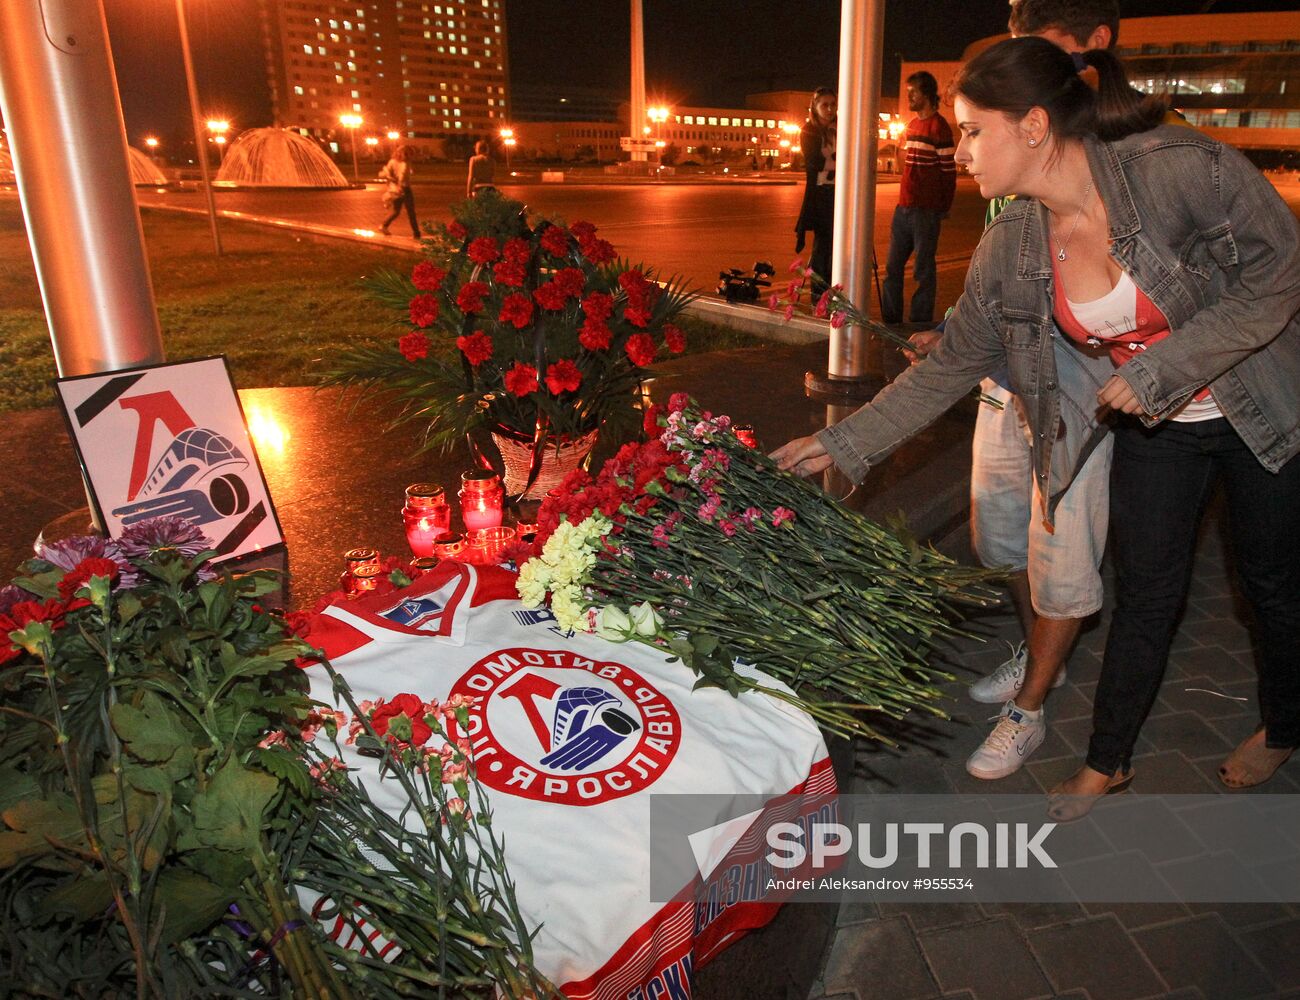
(1157, 250)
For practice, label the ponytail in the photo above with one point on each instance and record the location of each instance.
(1022, 73)
(1120, 109)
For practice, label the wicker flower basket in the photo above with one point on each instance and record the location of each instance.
(558, 460)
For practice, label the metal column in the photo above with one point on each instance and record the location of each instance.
(862, 27)
(58, 94)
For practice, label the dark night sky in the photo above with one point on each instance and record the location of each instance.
(705, 51)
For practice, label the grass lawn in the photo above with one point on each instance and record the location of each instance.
(274, 303)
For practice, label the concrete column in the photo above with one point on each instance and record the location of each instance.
(58, 94)
(636, 112)
(862, 27)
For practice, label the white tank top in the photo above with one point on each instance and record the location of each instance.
(1115, 314)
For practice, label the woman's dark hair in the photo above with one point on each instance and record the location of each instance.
(817, 94)
(1022, 73)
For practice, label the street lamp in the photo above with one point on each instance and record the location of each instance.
(658, 115)
(218, 127)
(507, 140)
(352, 122)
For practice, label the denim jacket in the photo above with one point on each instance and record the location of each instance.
(1204, 236)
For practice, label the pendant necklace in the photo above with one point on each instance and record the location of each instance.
(1060, 254)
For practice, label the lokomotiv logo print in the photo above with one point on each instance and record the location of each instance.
(557, 727)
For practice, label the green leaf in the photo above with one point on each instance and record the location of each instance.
(128, 606)
(155, 733)
(288, 768)
(217, 598)
(34, 823)
(45, 584)
(226, 868)
(228, 814)
(81, 898)
(193, 903)
(15, 786)
(704, 644)
(149, 779)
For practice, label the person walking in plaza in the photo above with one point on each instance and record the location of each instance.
(817, 212)
(1055, 573)
(924, 199)
(398, 194)
(1173, 269)
(481, 169)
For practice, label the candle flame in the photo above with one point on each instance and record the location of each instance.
(268, 433)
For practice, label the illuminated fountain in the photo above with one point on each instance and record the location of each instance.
(275, 158)
(144, 172)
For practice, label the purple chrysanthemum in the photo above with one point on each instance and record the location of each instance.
(11, 595)
(144, 538)
(68, 553)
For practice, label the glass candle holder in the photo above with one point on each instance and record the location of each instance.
(361, 556)
(484, 545)
(421, 565)
(745, 433)
(427, 515)
(481, 499)
(365, 578)
(449, 546)
(525, 531)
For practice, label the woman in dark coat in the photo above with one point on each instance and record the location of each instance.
(817, 213)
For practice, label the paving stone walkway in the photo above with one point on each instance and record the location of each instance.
(970, 951)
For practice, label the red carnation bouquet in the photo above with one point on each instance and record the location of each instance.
(696, 543)
(536, 332)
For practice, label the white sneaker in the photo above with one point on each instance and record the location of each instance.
(1005, 683)
(1004, 751)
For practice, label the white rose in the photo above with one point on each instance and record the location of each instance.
(613, 624)
(645, 620)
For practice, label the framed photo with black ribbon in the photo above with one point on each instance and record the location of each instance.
(171, 440)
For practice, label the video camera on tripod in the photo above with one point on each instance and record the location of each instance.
(735, 285)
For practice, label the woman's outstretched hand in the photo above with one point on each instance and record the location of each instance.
(804, 456)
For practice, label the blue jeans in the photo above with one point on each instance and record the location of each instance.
(913, 230)
(1161, 479)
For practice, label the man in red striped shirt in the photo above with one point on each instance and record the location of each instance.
(924, 199)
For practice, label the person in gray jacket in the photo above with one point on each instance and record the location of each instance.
(1162, 265)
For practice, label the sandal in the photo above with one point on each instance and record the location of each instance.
(1066, 808)
(1253, 762)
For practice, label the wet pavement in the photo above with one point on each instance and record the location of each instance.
(693, 230)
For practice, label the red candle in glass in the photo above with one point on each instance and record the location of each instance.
(449, 546)
(745, 432)
(361, 556)
(481, 499)
(365, 578)
(427, 515)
